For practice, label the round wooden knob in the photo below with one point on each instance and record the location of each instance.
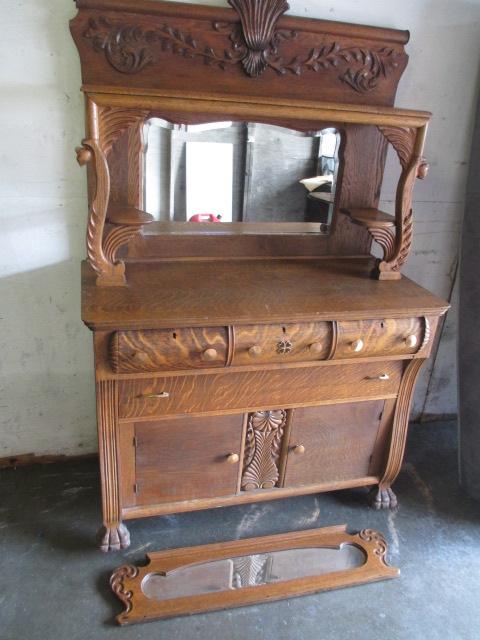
(299, 449)
(233, 458)
(411, 341)
(84, 155)
(422, 170)
(358, 345)
(316, 347)
(210, 354)
(255, 351)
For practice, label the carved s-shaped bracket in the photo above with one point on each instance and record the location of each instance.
(109, 273)
(106, 125)
(408, 142)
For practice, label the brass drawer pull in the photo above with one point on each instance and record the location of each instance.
(298, 449)
(382, 376)
(233, 458)
(162, 394)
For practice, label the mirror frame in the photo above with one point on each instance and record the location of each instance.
(126, 581)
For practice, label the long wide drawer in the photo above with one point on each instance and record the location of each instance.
(252, 390)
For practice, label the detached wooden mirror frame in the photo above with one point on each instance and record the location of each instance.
(240, 362)
(241, 572)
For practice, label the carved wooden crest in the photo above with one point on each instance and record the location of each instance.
(254, 43)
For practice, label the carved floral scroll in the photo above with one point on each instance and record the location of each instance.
(254, 42)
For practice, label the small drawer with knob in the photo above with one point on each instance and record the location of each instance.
(367, 338)
(281, 343)
(168, 349)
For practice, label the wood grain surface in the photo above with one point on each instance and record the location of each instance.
(379, 337)
(282, 343)
(186, 458)
(189, 293)
(338, 441)
(168, 349)
(251, 391)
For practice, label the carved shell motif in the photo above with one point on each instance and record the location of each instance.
(258, 23)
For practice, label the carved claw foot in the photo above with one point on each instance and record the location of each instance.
(383, 498)
(114, 538)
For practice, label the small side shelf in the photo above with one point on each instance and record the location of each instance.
(124, 222)
(381, 226)
(371, 218)
(127, 216)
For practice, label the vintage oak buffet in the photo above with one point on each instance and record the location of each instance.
(247, 361)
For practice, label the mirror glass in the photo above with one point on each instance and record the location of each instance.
(219, 174)
(250, 571)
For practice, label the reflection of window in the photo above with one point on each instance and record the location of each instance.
(195, 169)
(210, 179)
(328, 148)
(207, 126)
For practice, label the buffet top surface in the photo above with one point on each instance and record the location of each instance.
(224, 292)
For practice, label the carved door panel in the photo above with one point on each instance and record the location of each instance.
(187, 458)
(263, 444)
(333, 442)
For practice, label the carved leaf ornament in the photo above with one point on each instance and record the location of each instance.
(255, 42)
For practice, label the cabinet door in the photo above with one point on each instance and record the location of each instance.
(187, 458)
(332, 442)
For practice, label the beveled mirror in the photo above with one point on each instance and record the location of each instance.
(249, 571)
(268, 178)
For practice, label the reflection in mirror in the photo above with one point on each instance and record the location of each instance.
(237, 172)
(250, 571)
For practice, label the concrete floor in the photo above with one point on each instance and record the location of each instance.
(54, 584)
